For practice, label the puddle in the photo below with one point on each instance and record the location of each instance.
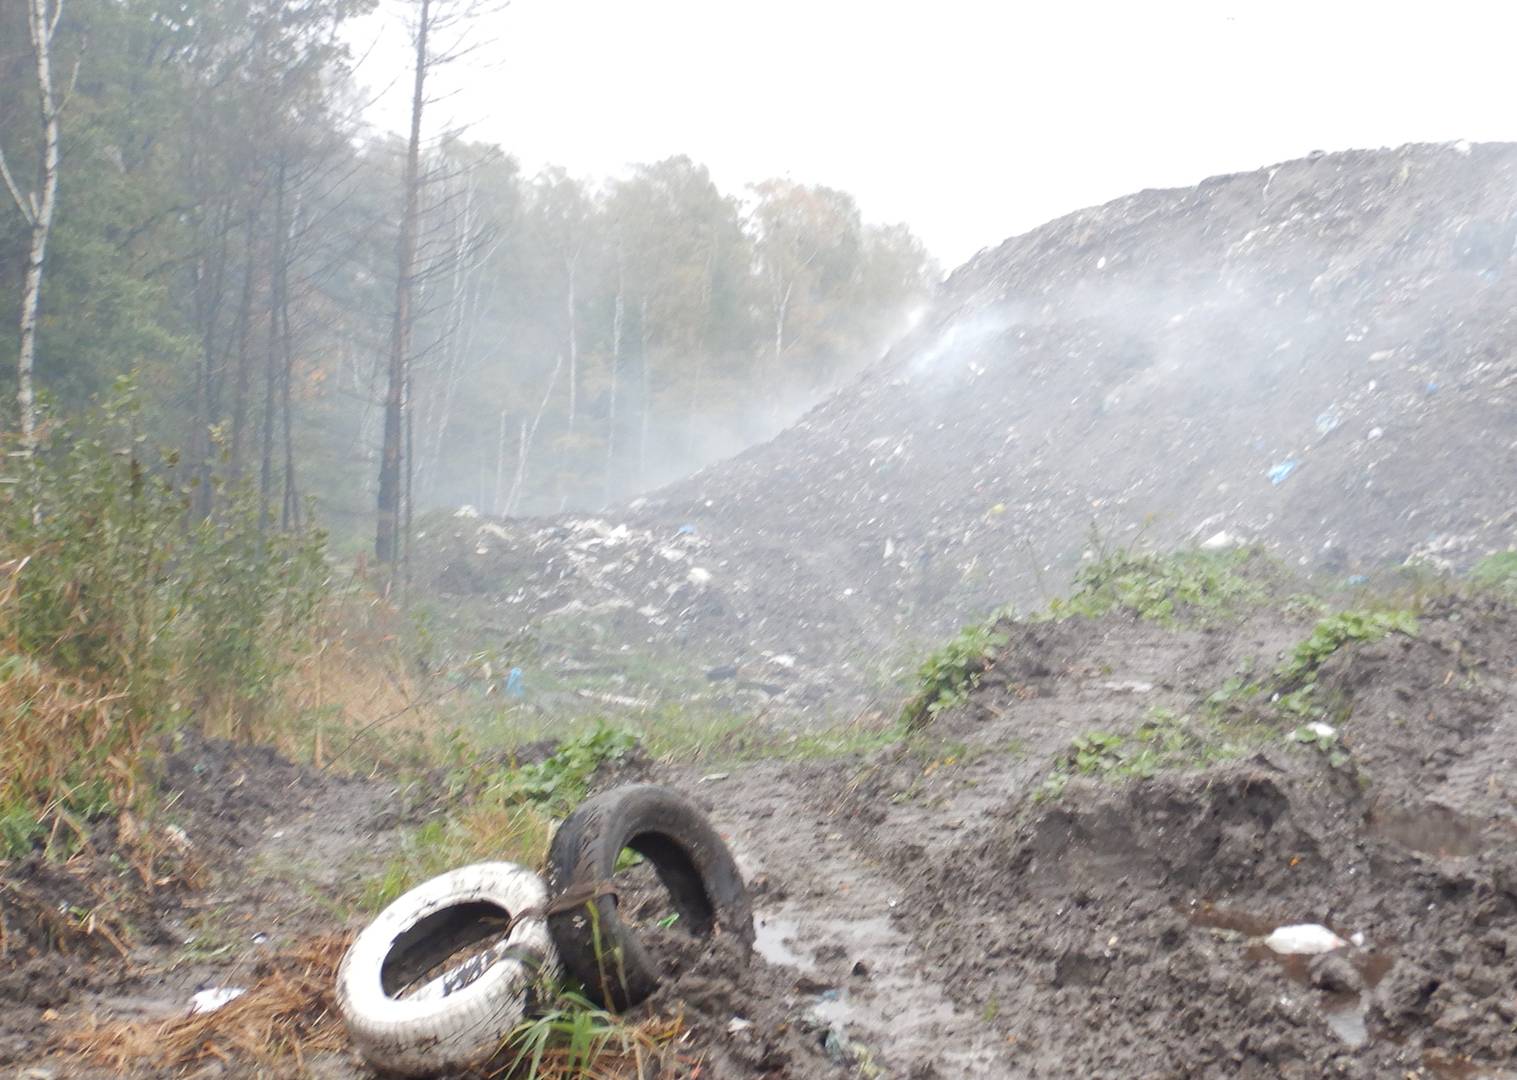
(772, 937)
(1344, 1013)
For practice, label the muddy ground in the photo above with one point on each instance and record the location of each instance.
(932, 910)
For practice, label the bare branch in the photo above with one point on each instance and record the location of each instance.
(15, 192)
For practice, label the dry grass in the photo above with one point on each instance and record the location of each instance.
(64, 744)
(352, 700)
(286, 1016)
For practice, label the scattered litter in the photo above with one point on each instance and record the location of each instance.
(698, 577)
(685, 530)
(1357, 939)
(1282, 471)
(1375, 433)
(1221, 541)
(615, 699)
(177, 836)
(206, 1001)
(712, 778)
(1328, 422)
(466, 511)
(1304, 939)
(1128, 686)
(515, 687)
(784, 660)
(1321, 730)
(737, 1025)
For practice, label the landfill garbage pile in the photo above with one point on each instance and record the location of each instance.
(1319, 357)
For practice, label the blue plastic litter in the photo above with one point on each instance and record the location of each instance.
(685, 530)
(1327, 422)
(515, 686)
(1280, 472)
(1432, 388)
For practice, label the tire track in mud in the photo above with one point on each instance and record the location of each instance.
(822, 907)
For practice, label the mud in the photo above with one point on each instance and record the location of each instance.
(929, 911)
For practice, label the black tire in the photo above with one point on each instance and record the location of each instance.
(594, 944)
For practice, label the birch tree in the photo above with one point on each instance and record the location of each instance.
(38, 204)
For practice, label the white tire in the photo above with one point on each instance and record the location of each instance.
(459, 1018)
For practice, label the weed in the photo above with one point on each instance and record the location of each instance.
(1333, 632)
(948, 675)
(123, 615)
(1496, 573)
(1183, 585)
(509, 815)
(1324, 739)
(1164, 740)
(572, 1039)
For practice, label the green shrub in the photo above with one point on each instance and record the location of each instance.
(1333, 632)
(948, 675)
(122, 617)
(1496, 572)
(1163, 588)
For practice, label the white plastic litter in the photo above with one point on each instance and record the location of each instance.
(1321, 730)
(1220, 541)
(210, 1000)
(1304, 939)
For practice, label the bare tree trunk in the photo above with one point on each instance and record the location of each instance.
(617, 317)
(643, 405)
(573, 343)
(272, 352)
(37, 209)
(497, 500)
(289, 516)
(386, 547)
(240, 385)
(528, 437)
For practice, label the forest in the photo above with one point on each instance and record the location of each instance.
(362, 325)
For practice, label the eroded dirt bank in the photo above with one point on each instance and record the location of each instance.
(942, 908)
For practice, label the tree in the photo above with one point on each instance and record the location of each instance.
(38, 205)
(436, 34)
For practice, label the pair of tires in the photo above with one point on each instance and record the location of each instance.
(410, 1013)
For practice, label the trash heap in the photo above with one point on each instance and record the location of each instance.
(1319, 357)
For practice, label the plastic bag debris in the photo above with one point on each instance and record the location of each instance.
(1282, 471)
(210, 1000)
(1303, 939)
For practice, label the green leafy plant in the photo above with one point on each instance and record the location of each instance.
(947, 676)
(1333, 632)
(123, 615)
(1324, 739)
(1163, 588)
(1165, 739)
(1497, 573)
(560, 780)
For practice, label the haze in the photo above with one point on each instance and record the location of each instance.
(970, 121)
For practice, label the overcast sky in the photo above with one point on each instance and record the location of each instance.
(969, 120)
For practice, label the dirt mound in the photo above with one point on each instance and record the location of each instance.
(1318, 356)
(1115, 923)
